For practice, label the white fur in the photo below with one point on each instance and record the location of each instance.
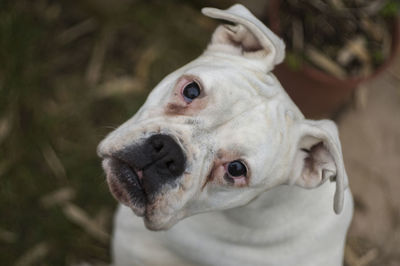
(276, 219)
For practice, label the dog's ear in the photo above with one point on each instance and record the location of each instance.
(318, 157)
(248, 36)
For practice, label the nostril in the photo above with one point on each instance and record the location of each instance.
(157, 145)
(171, 165)
(165, 155)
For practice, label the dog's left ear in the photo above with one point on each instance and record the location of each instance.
(247, 37)
(318, 157)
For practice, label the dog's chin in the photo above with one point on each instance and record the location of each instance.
(159, 213)
(157, 223)
(125, 186)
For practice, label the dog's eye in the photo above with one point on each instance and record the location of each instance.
(236, 169)
(191, 91)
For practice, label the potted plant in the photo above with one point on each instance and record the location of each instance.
(332, 47)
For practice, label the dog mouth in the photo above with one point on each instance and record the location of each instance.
(125, 183)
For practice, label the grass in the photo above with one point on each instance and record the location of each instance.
(52, 116)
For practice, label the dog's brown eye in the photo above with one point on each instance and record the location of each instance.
(191, 91)
(236, 169)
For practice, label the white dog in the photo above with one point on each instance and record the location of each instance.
(221, 137)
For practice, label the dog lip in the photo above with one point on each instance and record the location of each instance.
(126, 185)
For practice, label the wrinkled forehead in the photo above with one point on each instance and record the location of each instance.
(220, 77)
(244, 133)
(230, 88)
(222, 72)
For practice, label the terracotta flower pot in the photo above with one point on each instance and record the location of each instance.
(317, 93)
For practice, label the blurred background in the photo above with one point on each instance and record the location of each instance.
(72, 71)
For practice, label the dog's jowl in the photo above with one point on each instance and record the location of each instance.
(223, 165)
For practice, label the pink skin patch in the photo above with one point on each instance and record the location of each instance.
(118, 191)
(139, 174)
(122, 195)
(239, 181)
(178, 105)
(219, 171)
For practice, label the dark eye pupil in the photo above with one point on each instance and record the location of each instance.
(237, 168)
(191, 91)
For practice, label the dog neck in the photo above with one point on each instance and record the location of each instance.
(267, 217)
(260, 233)
(285, 217)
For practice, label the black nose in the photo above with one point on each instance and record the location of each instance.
(161, 160)
(166, 154)
(147, 167)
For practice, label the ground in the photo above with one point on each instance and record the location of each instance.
(370, 135)
(71, 72)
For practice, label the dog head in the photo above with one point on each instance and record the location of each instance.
(219, 131)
